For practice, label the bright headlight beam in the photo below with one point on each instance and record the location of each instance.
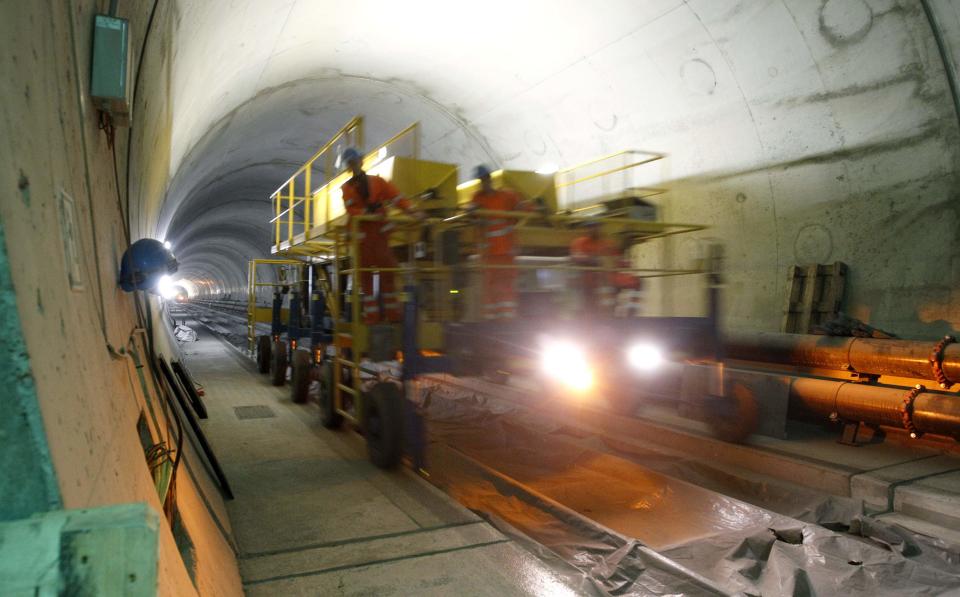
(567, 363)
(644, 357)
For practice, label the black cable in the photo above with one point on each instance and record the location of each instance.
(133, 100)
(125, 217)
(146, 321)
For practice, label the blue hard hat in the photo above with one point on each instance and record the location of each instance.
(144, 263)
(481, 171)
(349, 154)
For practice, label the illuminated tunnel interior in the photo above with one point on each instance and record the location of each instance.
(758, 106)
(731, 369)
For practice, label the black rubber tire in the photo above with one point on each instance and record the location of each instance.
(263, 354)
(733, 417)
(329, 418)
(278, 364)
(383, 424)
(300, 366)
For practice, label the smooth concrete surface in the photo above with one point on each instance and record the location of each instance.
(78, 326)
(924, 527)
(876, 487)
(935, 498)
(312, 516)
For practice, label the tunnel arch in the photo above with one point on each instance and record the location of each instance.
(758, 106)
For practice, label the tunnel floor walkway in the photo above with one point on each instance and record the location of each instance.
(312, 516)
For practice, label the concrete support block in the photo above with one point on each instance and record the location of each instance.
(935, 499)
(876, 487)
(103, 551)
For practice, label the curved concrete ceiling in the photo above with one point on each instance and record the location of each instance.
(805, 132)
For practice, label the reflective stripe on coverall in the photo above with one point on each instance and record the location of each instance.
(498, 247)
(369, 194)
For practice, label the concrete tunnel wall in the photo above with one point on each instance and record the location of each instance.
(71, 378)
(803, 131)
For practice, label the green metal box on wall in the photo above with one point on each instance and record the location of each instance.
(110, 71)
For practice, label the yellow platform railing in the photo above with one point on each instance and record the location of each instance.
(255, 313)
(294, 200)
(584, 179)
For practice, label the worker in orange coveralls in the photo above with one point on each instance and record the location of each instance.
(629, 286)
(596, 287)
(498, 246)
(369, 194)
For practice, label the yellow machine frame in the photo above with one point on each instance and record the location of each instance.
(257, 314)
(322, 232)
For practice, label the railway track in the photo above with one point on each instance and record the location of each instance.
(634, 507)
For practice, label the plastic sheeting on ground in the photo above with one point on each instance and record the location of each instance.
(596, 511)
(184, 334)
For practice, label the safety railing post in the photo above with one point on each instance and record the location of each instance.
(355, 311)
(276, 219)
(307, 200)
(290, 186)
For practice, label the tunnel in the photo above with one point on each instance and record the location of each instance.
(797, 133)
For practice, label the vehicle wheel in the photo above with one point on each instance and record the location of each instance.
(278, 364)
(300, 366)
(383, 424)
(329, 417)
(733, 417)
(263, 354)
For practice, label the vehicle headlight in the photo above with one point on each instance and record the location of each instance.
(644, 357)
(567, 363)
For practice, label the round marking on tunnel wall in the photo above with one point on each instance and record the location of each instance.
(741, 198)
(534, 142)
(814, 244)
(845, 21)
(603, 118)
(698, 76)
(389, 97)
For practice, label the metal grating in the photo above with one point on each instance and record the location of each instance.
(260, 411)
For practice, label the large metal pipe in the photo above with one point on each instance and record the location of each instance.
(935, 413)
(904, 358)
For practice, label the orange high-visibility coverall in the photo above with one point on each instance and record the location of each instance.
(369, 194)
(597, 287)
(498, 248)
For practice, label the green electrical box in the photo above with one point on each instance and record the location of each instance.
(110, 72)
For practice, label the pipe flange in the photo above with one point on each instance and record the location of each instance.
(936, 362)
(906, 410)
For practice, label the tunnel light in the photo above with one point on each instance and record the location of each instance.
(567, 363)
(382, 154)
(547, 169)
(167, 244)
(166, 287)
(644, 356)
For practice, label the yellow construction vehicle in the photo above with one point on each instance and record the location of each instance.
(364, 370)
